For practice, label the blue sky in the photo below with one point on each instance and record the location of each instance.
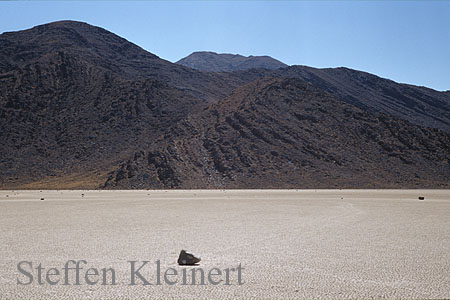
(405, 41)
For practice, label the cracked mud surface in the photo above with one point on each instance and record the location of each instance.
(327, 244)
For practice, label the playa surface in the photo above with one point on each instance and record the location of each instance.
(294, 244)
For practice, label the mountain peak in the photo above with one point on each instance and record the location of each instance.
(227, 62)
(78, 39)
(52, 27)
(65, 23)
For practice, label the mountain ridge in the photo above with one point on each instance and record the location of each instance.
(81, 107)
(277, 133)
(226, 62)
(107, 50)
(419, 105)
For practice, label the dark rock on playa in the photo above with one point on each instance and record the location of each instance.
(187, 259)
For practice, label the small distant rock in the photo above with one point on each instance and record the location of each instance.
(42, 199)
(421, 198)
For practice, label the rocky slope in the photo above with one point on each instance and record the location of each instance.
(75, 98)
(101, 48)
(419, 105)
(81, 107)
(224, 62)
(284, 133)
(64, 115)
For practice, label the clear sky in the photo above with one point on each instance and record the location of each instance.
(405, 41)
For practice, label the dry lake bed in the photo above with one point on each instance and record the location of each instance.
(290, 244)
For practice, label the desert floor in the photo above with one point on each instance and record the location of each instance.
(294, 244)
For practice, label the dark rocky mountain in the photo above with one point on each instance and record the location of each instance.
(63, 115)
(284, 133)
(224, 62)
(83, 108)
(100, 48)
(74, 98)
(419, 105)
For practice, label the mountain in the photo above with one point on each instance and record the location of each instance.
(75, 98)
(223, 62)
(284, 133)
(81, 107)
(100, 48)
(63, 115)
(419, 105)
